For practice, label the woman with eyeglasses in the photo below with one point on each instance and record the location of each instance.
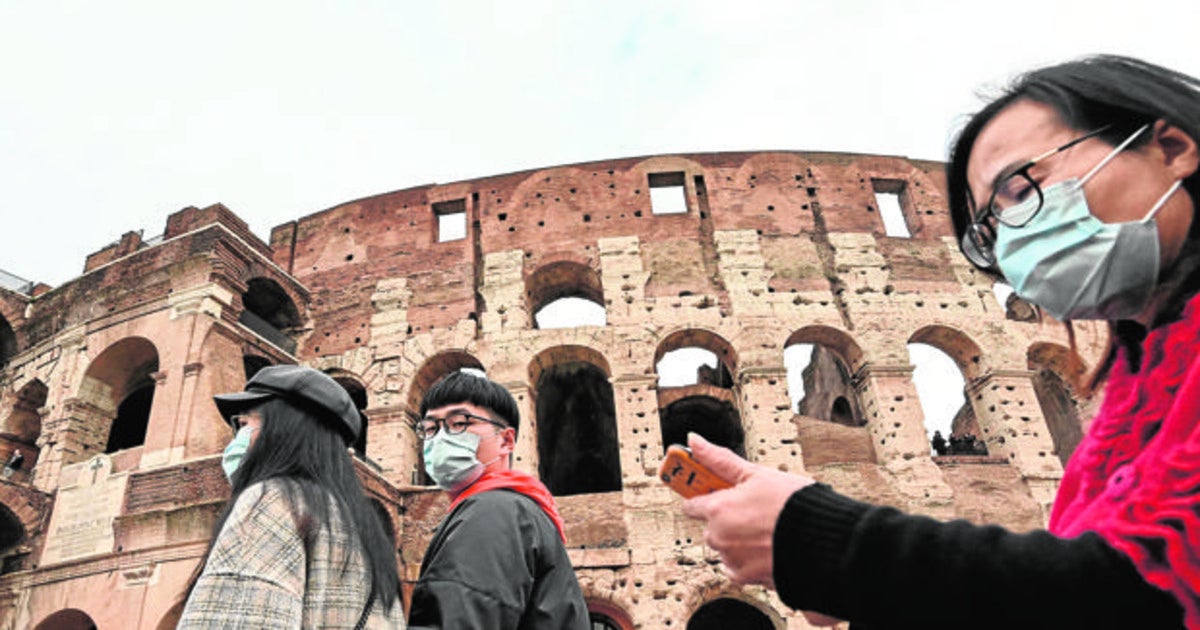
(299, 544)
(1078, 187)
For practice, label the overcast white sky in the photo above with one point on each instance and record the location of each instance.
(115, 114)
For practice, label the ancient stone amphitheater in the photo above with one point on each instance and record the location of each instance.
(105, 381)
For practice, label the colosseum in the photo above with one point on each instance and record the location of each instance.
(106, 381)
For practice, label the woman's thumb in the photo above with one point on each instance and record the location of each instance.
(723, 462)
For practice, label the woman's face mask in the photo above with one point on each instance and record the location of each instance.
(236, 450)
(1075, 266)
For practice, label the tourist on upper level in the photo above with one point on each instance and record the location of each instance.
(498, 559)
(1078, 187)
(299, 545)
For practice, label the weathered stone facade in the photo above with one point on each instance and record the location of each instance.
(106, 381)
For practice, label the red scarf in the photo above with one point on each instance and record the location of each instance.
(1135, 478)
(523, 483)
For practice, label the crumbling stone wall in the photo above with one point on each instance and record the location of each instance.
(771, 249)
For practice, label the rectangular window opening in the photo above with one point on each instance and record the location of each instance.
(451, 220)
(667, 193)
(889, 199)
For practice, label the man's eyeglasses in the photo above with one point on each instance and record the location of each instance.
(1016, 198)
(454, 423)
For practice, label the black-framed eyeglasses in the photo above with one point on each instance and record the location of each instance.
(454, 423)
(1016, 198)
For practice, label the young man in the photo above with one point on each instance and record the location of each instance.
(497, 561)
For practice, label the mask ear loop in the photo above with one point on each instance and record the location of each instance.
(1120, 147)
(1162, 201)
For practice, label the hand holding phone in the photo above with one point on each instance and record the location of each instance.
(686, 476)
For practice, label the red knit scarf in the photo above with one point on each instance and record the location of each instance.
(520, 482)
(1135, 478)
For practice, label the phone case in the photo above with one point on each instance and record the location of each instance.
(686, 476)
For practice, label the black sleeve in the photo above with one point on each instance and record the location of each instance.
(881, 568)
(479, 570)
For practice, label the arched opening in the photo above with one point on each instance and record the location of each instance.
(12, 531)
(270, 313)
(566, 294)
(252, 363)
(68, 619)
(725, 613)
(24, 423)
(818, 375)
(133, 416)
(939, 357)
(8, 341)
(576, 422)
(601, 621)
(120, 384)
(1054, 367)
(570, 312)
(713, 418)
(841, 413)
(606, 615)
(692, 366)
(358, 394)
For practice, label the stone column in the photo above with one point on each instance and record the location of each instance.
(624, 279)
(1013, 427)
(81, 432)
(525, 457)
(503, 291)
(894, 420)
(639, 430)
(766, 414)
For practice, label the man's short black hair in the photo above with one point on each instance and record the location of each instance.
(460, 387)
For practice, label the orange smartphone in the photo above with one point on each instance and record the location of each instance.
(686, 476)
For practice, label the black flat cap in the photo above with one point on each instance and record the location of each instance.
(309, 389)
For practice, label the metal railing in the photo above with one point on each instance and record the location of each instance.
(15, 283)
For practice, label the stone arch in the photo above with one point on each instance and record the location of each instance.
(119, 383)
(67, 619)
(27, 505)
(706, 340)
(606, 614)
(24, 423)
(270, 311)
(965, 437)
(713, 415)
(574, 407)
(358, 393)
(562, 280)
(841, 344)
(434, 368)
(1054, 368)
(730, 611)
(12, 530)
(956, 344)
(824, 387)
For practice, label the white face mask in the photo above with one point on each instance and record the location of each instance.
(231, 458)
(1075, 266)
(452, 462)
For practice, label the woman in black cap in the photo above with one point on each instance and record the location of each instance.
(294, 545)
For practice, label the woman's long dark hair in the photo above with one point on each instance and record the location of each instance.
(310, 459)
(1087, 94)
